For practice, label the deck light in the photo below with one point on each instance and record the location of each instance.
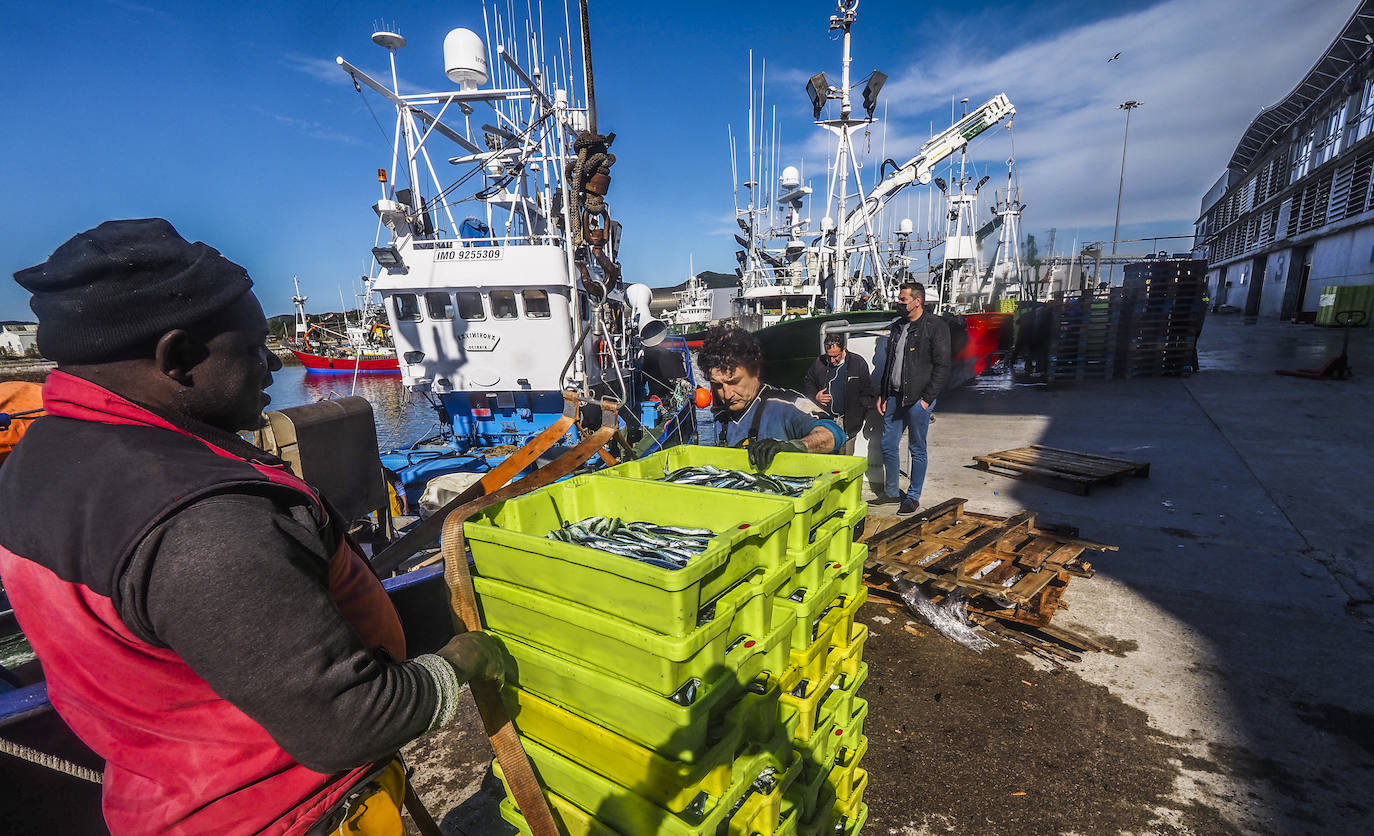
(387, 257)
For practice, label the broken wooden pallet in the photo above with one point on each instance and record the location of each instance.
(1063, 469)
(1011, 569)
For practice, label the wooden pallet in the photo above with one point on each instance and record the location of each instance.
(1066, 470)
(1011, 569)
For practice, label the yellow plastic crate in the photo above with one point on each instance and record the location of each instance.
(571, 819)
(625, 811)
(822, 820)
(669, 783)
(854, 732)
(840, 530)
(810, 698)
(847, 694)
(509, 544)
(850, 657)
(845, 632)
(664, 724)
(838, 481)
(842, 777)
(818, 753)
(658, 662)
(849, 807)
(855, 823)
(761, 812)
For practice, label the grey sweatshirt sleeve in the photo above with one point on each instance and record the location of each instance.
(237, 585)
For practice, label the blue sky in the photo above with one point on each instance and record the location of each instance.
(231, 120)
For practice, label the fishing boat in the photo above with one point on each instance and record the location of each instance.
(501, 284)
(846, 261)
(363, 347)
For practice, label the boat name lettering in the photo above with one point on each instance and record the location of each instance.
(479, 341)
(433, 245)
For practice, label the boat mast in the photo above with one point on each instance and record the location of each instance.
(299, 300)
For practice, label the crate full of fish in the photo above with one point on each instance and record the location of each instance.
(766, 770)
(677, 725)
(656, 661)
(632, 549)
(817, 485)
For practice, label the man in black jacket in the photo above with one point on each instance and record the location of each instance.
(916, 370)
(840, 382)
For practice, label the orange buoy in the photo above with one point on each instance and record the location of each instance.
(703, 397)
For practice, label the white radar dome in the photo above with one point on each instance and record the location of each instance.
(904, 227)
(465, 59)
(791, 178)
(827, 223)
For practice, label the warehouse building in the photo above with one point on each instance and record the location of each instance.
(1294, 213)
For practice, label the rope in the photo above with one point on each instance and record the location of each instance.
(52, 762)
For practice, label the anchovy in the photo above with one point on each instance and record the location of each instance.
(667, 547)
(715, 477)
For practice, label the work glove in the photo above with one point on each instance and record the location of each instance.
(475, 656)
(763, 451)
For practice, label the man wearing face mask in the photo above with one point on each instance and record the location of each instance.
(918, 361)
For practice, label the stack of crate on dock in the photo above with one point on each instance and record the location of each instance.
(1165, 306)
(1084, 343)
(719, 698)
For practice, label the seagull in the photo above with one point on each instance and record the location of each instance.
(1113, 58)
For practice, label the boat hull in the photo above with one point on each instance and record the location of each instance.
(316, 364)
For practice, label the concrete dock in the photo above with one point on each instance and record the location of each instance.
(1239, 693)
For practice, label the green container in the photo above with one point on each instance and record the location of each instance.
(655, 661)
(1345, 297)
(509, 544)
(846, 695)
(822, 819)
(841, 778)
(805, 793)
(855, 731)
(671, 784)
(854, 824)
(627, 812)
(809, 613)
(818, 753)
(852, 575)
(650, 719)
(838, 485)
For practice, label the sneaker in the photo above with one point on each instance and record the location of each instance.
(885, 500)
(908, 508)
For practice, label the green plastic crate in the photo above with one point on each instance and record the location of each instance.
(852, 575)
(854, 824)
(854, 732)
(811, 698)
(627, 812)
(851, 657)
(818, 753)
(822, 818)
(849, 624)
(622, 648)
(571, 819)
(509, 544)
(809, 614)
(671, 784)
(838, 485)
(654, 721)
(846, 694)
(806, 791)
(848, 808)
(840, 528)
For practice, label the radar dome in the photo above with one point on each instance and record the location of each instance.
(791, 178)
(465, 59)
(827, 223)
(904, 227)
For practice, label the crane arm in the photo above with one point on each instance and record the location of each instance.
(919, 167)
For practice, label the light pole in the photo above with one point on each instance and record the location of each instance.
(1128, 106)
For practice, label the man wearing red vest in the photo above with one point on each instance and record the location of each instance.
(203, 621)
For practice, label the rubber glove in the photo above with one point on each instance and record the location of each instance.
(763, 451)
(475, 656)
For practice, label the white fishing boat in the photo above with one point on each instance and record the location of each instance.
(501, 282)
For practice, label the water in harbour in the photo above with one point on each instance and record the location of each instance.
(401, 416)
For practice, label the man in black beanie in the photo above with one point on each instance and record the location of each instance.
(203, 621)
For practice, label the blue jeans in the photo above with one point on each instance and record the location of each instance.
(914, 421)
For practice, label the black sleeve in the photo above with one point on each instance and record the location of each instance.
(237, 585)
(939, 361)
(863, 381)
(811, 383)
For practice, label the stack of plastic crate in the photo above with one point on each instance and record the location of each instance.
(819, 598)
(1083, 346)
(648, 699)
(1166, 304)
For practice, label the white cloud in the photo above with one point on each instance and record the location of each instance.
(320, 69)
(1201, 68)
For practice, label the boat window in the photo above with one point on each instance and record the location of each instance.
(536, 303)
(407, 307)
(503, 304)
(439, 304)
(470, 305)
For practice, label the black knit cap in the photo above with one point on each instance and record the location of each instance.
(122, 285)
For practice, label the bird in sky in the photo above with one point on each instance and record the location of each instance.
(1113, 58)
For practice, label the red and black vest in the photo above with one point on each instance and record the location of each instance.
(78, 496)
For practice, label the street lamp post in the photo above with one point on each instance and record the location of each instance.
(1127, 106)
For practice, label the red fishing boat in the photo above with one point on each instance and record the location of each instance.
(364, 347)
